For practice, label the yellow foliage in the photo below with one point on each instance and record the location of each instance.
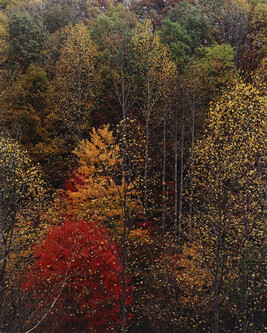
(77, 80)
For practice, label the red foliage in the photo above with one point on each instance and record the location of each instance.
(80, 257)
(71, 182)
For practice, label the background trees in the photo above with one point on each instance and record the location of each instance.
(27, 35)
(146, 119)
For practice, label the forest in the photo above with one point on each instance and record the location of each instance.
(133, 166)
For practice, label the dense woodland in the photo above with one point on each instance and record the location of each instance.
(132, 166)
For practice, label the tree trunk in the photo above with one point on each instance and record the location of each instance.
(181, 174)
(124, 217)
(164, 172)
(192, 163)
(147, 146)
(176, 176)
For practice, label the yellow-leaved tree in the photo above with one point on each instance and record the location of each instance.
(77, 80)
(22, 197)
(155, 75)
(229, 186)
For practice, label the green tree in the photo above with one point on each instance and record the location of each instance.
(211, 70)
(194, 21)
(178, 40)
(26, 37)
(27, 108)
(112, 33)
(57, 15)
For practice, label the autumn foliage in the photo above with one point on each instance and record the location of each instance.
(133, 166)
(78, 267)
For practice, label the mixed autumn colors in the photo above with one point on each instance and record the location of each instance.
(133, 166)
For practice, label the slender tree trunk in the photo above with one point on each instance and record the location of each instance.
(181, 174)
(124, 217)
(236, 47)
(192, 163)
(164, 172)
(147, 146)
(218, 236)
(176, 176)
(79, 106)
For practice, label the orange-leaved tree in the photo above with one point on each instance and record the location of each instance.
(96, 188)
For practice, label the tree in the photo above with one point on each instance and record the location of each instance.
(178, 39)
(112, 33)
(103, 188)
(78, 271)
(57, 15)
(229, 184)
(3, 50)
(177, 291)
(213, 69)
(155, 73)
(95, 9)
(232, 23)
(28, 109)
(155, 10)
(257, 34)
(96, 189)
(193, 21)
(77, 81)
(21, 195)
(26, 37)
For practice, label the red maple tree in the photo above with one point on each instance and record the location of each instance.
(77, 279)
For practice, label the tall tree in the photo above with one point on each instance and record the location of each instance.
(229, 184)
(232, 23)
(27, 108)
(155, 70)
(77, 81)
(21, 192)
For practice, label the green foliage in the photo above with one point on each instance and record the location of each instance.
(57, 16)
(194, 21)
(178, 39)
(212, 69)
(109, 29)
(28, 109)
(27, 35)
